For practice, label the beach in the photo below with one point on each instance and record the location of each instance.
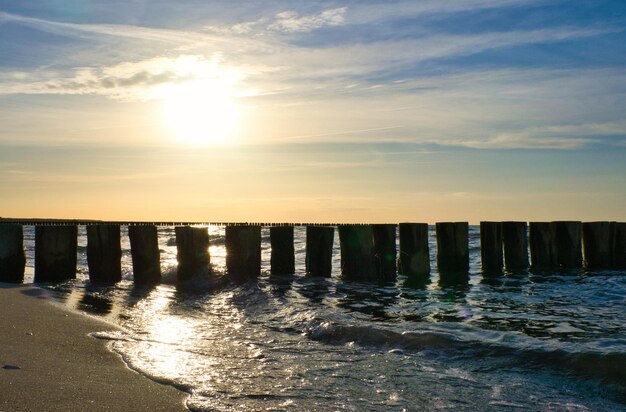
(49, 362)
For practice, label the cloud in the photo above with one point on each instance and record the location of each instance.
(359, 13)
(356, 60)
(290, 21)
(520, 141)
(165, 37)
(574, 136)
(346, 132)
(131, 81)
(32, 176)
(370, 12)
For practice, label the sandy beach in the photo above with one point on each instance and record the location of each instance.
(48, 362)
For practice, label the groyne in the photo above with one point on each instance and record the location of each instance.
(369, 252)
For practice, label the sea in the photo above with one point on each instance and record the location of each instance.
(534, 341)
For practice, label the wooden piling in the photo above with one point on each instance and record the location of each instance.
(515, 239)
(357, 252)
(12, 258)
(104, 253)
(243, 252)
(192, 251)
(568, 244)
(55, 253)
(619, 245)
(414, 250)
(319, 250)
(283, 260)
(385, 252)
(144, 248)
(452, 247)
(543, 251)
(598, 244)
(491, 255)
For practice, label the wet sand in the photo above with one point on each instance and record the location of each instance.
(48, 362)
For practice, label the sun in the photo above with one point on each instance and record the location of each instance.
(201, 112)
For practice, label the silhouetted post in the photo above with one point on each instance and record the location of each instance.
(619, 245)
(144, 248)
(543, 245)
(568, 244)
(385, 252)
(192, 251)
(491, 255)
(515, 238)
(55, 253)
(12, 258)
(319, 250)
(414, 251)
(598, 244)
(357, 253)
(243, 252)
(104, 253)
(452, 248)
(283, 260)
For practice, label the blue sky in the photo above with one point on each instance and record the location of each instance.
(327, 110)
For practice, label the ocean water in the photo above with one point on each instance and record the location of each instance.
(524, 341)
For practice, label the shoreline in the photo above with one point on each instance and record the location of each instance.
(48, 361)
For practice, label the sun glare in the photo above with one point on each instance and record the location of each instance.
(201, 112)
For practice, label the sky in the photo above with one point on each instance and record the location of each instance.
(313, 111)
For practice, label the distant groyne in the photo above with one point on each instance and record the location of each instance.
(369, 252)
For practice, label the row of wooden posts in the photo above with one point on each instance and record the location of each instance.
(368, 252)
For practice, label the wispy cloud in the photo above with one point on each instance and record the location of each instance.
(572, 136)
(291, 21)
(359, 132)
(368, 12)
(30, 176)
(115, 30)
(520, 141)
(133, 81)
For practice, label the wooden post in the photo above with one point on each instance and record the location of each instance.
(568, 244)
(319, 250)
(283, 260)
(104, 253)
(192, 251)
(515, 238)
(452, 248)
(55, 253)
(357, 253)
(385, 251)
(243, 252)
(414, 250)
(491, 255)
(12, 258)
(144, 248)
(598, 244)
(619, 245)
(543, 245)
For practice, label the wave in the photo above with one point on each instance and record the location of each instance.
(608, 367)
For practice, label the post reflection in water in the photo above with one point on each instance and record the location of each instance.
(96, 300)
(366, 298)
(316, 289)
(281, 284)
